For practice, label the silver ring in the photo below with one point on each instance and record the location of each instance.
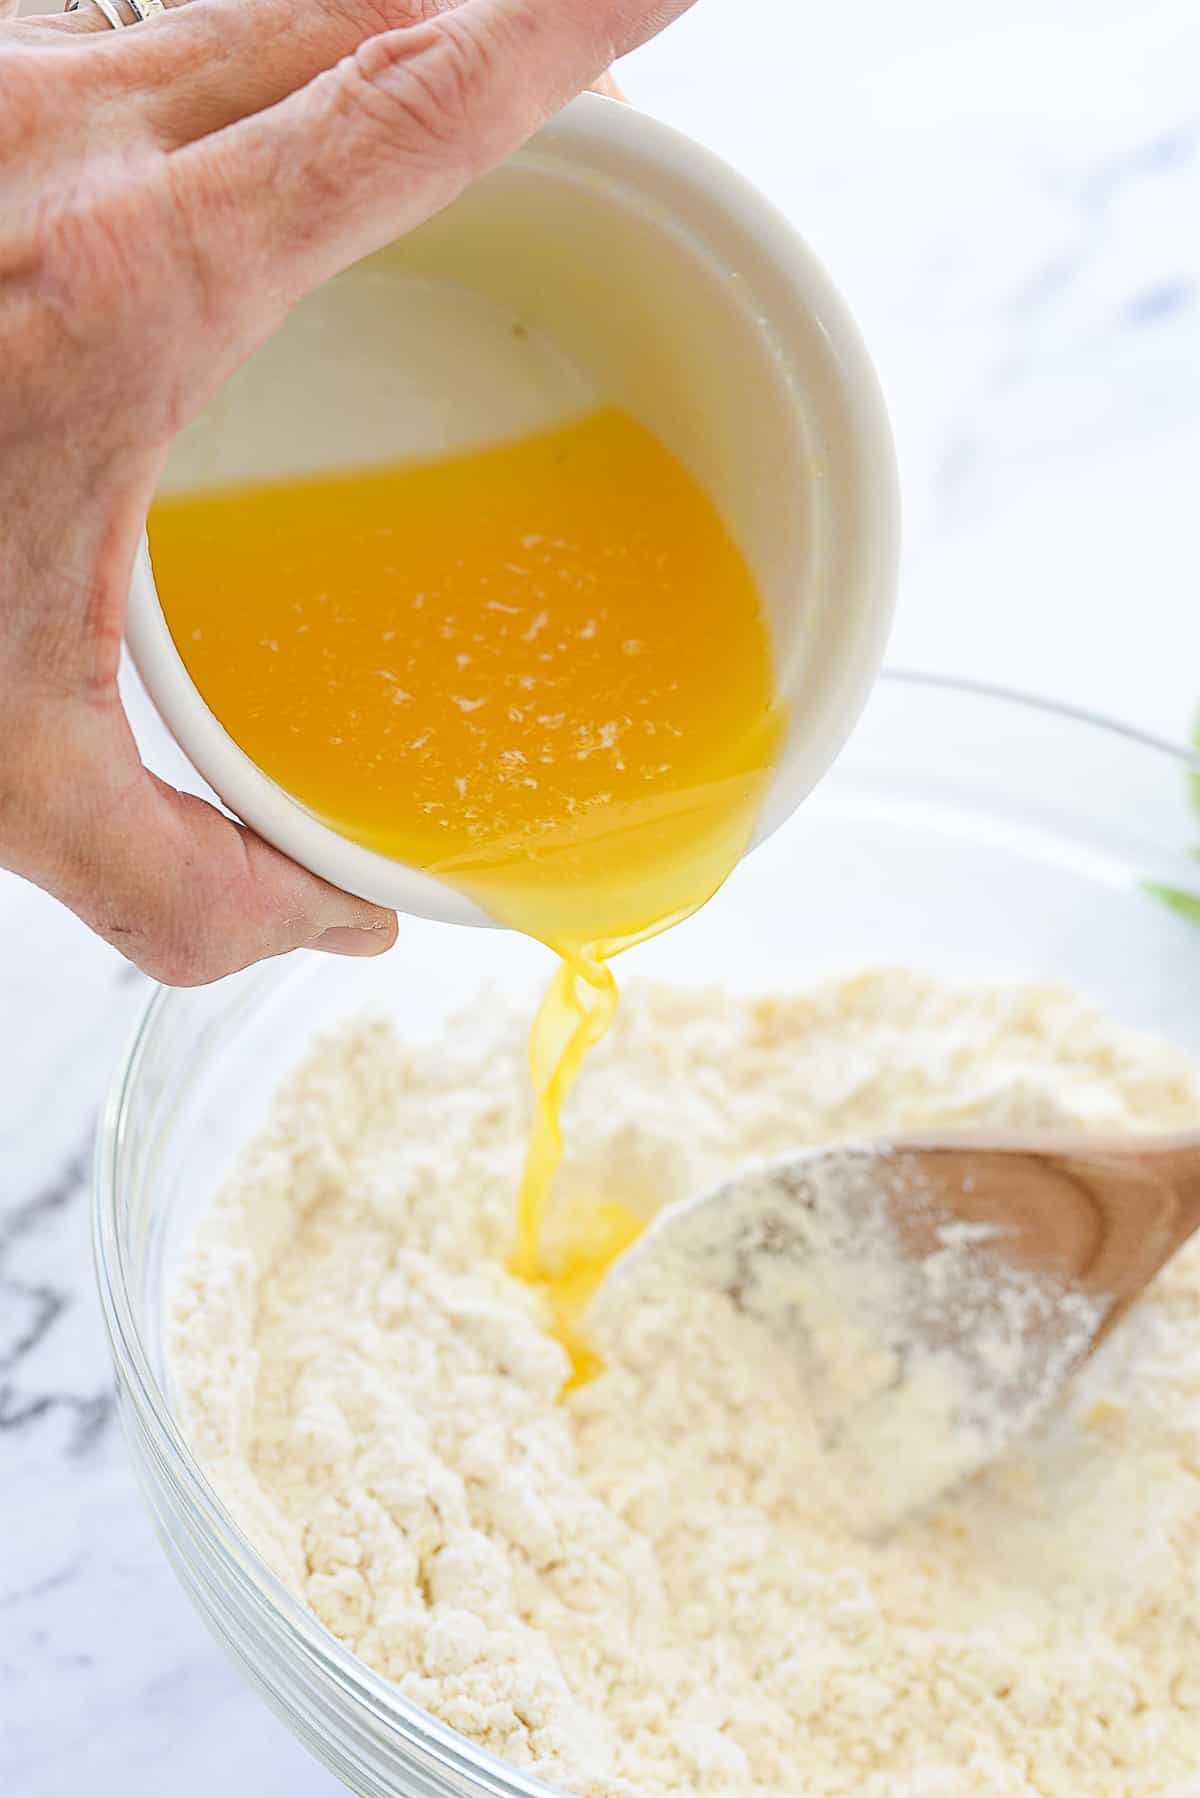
(141, 10)
(106, 8)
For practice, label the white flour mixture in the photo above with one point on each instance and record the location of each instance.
(651, 1588)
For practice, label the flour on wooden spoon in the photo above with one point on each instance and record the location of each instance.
(920, 1360)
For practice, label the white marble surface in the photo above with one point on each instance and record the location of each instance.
(1009, 197)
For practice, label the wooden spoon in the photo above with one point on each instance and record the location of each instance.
(935, 1296)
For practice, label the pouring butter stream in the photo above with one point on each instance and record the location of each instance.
(540, 671)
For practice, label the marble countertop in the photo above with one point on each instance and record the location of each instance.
(1008, 196)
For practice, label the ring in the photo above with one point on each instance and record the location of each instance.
(141, 10)
(104, 6)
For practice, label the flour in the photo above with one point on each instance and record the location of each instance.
(653, 1587)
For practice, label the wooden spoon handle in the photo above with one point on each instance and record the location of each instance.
(1137, 1215)
(1178, 1166)
(1103, 1216)
(1145, 1204)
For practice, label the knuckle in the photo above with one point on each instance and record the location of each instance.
(465, 67)
(424, 82)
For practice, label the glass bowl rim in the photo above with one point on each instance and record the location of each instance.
(211, 1525)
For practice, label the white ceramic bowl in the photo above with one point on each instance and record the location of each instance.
(610, 260)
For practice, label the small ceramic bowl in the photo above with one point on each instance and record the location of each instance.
(610, 261)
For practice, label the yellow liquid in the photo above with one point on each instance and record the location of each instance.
(540, 671)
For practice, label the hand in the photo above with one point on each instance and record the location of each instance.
(167, 192)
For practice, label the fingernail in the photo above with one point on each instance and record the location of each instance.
(348, 940)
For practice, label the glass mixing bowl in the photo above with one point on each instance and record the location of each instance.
(964, 831)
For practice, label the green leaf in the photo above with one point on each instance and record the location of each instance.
(1186, 904)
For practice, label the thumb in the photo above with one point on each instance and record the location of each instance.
(206, 897)
(184, 892)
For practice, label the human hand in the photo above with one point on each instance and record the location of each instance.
(167, 192)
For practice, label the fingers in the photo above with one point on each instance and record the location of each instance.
(183, 891)
(395, 131)
(211, 64)
(225, 60)
(85, 20)
(207, 65)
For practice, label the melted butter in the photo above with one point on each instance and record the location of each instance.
(539, 671)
